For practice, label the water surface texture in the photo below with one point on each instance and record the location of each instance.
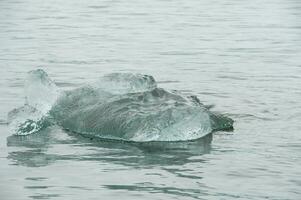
(241, 57)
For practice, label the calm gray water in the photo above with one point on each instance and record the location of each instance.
(243, 57)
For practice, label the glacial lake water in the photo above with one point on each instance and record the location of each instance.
(242, 57)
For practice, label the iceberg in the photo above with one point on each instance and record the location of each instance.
(118, 106)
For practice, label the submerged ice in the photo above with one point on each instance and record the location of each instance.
(120, 106)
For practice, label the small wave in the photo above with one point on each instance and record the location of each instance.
(233, 78)
(3, 122)
(249, 116)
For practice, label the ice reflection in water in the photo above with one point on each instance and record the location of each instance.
(132, 154)
(44, 150)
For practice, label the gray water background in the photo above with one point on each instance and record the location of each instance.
(243, 57)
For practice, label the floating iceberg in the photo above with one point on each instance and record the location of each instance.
(119, 106)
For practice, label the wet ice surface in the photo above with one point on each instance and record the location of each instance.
(119, 106)
(242, 57)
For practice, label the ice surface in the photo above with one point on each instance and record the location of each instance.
(118, 106)
(26, 120)
(155, 115)
(122, 83)
(41, 92)
(40, 95)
